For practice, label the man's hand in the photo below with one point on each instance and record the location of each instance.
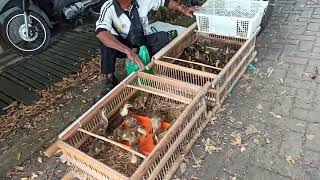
(188, 11)
(134, 57)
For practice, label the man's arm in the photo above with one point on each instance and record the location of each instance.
(188, 11)
(109, 40)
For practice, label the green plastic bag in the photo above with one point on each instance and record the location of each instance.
(145, 58)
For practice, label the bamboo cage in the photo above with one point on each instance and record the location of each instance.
(167, 155)
(222, 82)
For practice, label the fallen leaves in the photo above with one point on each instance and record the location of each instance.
(277, 116)
(19, 168)
(236, 141)
(183, 167)
(290, 160)
(19, 115)
(310, 136)
(209, 146)
(269, 71)
(40, 160)
(260, 107)
(251, 130)
(18, 156)
(281, 80)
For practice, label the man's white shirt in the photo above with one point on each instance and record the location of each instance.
(114, 20)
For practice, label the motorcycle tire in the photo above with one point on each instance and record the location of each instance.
(267, 16)
(13, 24)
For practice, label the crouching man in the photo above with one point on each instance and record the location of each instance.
(123, 27)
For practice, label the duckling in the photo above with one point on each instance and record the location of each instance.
(227, 51)
(131, 121)
(217, 63)
(103, 124)
(140, 101)
(156, 120)
(96, 147)
(125, 110)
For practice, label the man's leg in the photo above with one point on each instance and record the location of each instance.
(157, 41)
(108, 61)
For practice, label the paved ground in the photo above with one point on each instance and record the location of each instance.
(284, 108)
(269, 129)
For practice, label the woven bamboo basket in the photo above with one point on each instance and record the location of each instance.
(165, 157)
(222, 82)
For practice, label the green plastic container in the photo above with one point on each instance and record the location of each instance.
(145, 58)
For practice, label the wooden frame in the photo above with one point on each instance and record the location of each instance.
(79, 132)
(180, 84)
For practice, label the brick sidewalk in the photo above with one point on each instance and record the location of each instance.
(284, 108)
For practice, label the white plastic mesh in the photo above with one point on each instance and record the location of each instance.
(231, 8)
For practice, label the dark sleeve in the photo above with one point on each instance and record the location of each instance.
(100, 30)
(166, 3)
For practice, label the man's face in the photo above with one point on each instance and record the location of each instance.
(125, 1)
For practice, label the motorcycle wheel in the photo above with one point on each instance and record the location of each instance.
(95, 9)
(15, 32)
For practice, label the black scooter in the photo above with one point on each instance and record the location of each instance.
(27, 24)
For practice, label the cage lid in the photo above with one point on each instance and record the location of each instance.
(232, 8)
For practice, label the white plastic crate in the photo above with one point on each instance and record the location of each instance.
(233, 18)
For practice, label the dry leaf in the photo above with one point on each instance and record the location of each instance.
(193, 177)
(256, 141)
(197, 163)
(40, 160)
(260, 107)
(183, 167)
(213, 119)
(251, 130)
(24, 178)
(84, 90)
(34, 176)
(290, 159)
(19, 168)
(236, 141)
(310, 136)
(283, 92)
(209, 146)
(19, 156)
(277, 116)
(281, 80)
(300, 124)
(243, 148)
(269, 71)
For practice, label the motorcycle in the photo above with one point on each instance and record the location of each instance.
(27, 24)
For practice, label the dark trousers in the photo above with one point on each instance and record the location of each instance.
(154, 42)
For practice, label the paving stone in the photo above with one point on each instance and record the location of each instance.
(304, 98)
(300, 113)
(283, 105)
(291, 145)
(278, 73)
(292, 59)
(312, 158)
(314, 173)
(256, 173)
(292, 82)
(306, 46)
(314, 142)
(313, 27)
(314, 116)
(282, 167)
(295, 71)
(290, 50)
(289, 124)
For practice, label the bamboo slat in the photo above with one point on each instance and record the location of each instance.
(113, 142)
